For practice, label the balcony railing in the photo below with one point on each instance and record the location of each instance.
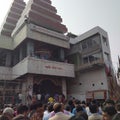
(90, 65)
(43, 67)
(90, 49)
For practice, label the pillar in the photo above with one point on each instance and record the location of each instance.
(64, 87)
(27, 89)
(21, 54)
(8, 59)
(30, 48)
(62, 54)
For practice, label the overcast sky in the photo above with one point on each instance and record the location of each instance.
(82, 15)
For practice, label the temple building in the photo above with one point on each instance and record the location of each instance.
(33, 49)
(36, 57)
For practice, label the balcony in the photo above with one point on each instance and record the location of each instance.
(91, 65)
(44, 67)
(91, 49)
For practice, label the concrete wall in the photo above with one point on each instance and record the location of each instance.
(20, 69)
(20, 36)
(84, 82)
(6, 42)
(40, 34)
(47, 36)
(5, 73)
(106, 49)
(45, 67)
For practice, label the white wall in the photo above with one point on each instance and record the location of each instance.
(87, 79)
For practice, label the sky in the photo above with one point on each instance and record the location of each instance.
(82, 15)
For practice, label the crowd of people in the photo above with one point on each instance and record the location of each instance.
(73, 109)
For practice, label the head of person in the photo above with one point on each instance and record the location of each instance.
(8, 112)
(77, 102)
(68, 108)
(118, 107)
(50, 108)
(22, 109)
(79, 108)
(57, 107)
(109, 102)
(70, 102)
(108, 112)
(39, 107)
(32, 107)
(117, 116)
(93, 108)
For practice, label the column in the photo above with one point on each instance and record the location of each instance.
(30, 48)
(21, 54)
(8, 59)
(27, 89)
(64, 87)
(62, 54)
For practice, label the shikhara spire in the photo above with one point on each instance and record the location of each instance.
(12, 17)
(38, 12)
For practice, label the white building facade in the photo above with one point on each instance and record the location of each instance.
(36, 57)
(90, 52)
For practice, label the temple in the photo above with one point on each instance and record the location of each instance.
(36, 57)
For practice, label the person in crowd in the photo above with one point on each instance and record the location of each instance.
(94, 113)
(117, 115)
(108, 112)
(59, 115)
(46, 114)
(76, 103)
(50, 99)
(8, 114)
(70, 103)
(109, 102)
(87, 108)
(68, 108)
(83, 104)
(22, 113)
(32, 110)
(62, 109)
(39, 96)
(45, 107)
(38, 114)
(56, 97)
(81, 113)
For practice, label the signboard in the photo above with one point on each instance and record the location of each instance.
(89, 95)
(99, 95)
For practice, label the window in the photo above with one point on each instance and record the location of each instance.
(97, 56)
(96, 39)
(91, 58)
(80, 83)
(85, 60)
(89, 43)
(101, 83)
(2, 58)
